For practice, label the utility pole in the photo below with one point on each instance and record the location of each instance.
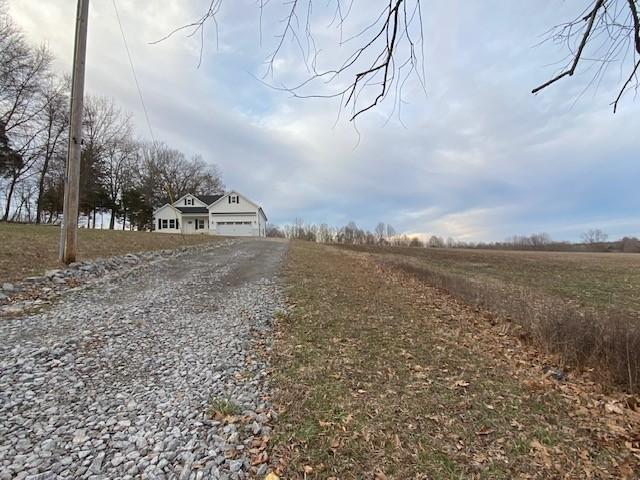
(69, 234)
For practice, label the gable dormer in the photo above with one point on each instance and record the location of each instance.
(189, 200)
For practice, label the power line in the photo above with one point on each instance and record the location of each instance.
(133, 71)
(144, 106)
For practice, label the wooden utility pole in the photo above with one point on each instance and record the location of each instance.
(69, 234)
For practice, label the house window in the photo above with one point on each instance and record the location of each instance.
(201, 223)
(188, 201)
(172, 223)
(234, 199)
(165, 224)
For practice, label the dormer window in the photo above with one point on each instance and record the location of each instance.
(234, 199)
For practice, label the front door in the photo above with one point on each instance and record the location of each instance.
(199, 224)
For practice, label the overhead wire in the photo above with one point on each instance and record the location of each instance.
(142, 102)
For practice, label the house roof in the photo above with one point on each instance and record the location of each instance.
(209, 199)
(193, 209)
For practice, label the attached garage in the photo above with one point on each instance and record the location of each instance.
(229, 214)
(239, 229)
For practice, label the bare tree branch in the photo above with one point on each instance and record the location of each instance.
(585, 37)
(610, 31)
(375, 66)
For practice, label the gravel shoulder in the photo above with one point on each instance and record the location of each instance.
(122, 379)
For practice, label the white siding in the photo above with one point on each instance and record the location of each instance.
(186, 202)
(189, 224)
(262, 224)
(167, 213)
(244, 210)
(222, 211)
(223, 205)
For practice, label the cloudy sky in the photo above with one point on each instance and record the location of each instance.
(475, 157)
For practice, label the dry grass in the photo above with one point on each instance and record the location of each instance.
(31, 249)
(381, 376)
(586, 279)
(559, 298)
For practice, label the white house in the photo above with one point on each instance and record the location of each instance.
(228, 214)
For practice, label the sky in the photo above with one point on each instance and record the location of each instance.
(472, 154)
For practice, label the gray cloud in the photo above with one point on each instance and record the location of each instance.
(480, 158)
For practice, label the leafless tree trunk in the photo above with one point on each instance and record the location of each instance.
(56, 118)
(23, 72)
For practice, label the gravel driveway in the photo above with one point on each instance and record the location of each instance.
(116, 380)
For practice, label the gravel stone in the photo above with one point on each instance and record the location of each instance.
(115, 379)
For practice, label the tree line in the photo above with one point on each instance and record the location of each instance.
(593, 240)
(121, 174)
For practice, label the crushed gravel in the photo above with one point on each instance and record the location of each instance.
(122, 380)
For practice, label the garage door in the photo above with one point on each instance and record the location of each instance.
(240, 229)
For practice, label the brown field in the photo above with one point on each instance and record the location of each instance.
(585, 307)
(379, 375)
(610, 280)
(31, 249)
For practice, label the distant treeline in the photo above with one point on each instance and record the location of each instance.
(120, 173)
(593, 240)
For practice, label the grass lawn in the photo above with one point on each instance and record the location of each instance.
(31, 249)
(380, 376)
(591, 279)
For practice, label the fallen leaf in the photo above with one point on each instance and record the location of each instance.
(308, 469)
(461, 383)
(613, 407)
(272, 476)
(379, 475)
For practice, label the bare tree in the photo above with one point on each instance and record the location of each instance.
(23, 73)
(435, 242)
(380, 231)
(106, 127)
(593, 236)
(119, 167)
(390, 231)
(55, 118)
(274, 232)
(540, 239)
(175, 175)
(325, 233)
